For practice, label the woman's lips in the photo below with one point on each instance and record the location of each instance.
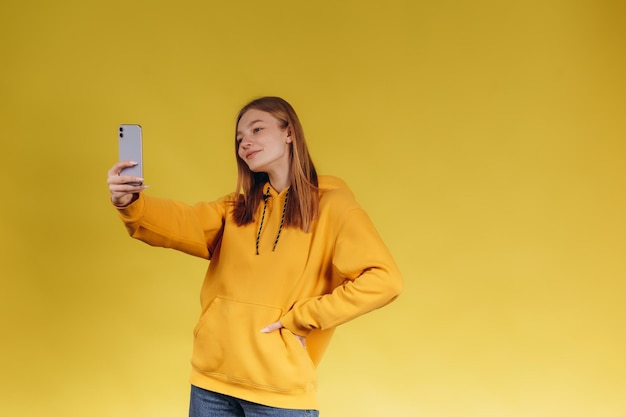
(251, 154)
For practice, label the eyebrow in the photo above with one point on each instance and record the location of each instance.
(250, 124)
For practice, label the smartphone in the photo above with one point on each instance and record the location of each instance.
(130, 148)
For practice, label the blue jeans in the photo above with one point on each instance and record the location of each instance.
(205, 403)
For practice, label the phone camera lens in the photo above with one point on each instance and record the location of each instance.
(121, 135)
(121, 129)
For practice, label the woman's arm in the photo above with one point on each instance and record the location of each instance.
(371, 279)
(166, 223)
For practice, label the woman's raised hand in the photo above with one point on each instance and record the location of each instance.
(121, 186)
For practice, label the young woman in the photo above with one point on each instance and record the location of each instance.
(292, 256)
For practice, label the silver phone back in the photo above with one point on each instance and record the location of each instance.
(130, 148)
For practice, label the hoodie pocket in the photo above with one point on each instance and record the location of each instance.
(229, 345)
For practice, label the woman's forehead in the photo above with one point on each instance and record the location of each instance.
(254, 115)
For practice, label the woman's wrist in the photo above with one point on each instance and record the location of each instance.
(122, 203)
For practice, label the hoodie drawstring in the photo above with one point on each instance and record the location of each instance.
(282, 219)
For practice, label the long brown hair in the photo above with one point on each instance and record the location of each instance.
(302, 204)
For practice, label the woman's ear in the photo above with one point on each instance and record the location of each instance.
(289, 139)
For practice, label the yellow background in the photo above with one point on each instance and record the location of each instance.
(485, 138)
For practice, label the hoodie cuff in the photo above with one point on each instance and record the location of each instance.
(132, 211)
(289, 322)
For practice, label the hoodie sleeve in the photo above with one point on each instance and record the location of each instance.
(371, 279)
(195, 230)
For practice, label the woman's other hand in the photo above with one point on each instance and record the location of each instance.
(278, 325)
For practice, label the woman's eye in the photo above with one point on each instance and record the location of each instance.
(256, 130)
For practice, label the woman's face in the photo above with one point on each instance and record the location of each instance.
(262, 143)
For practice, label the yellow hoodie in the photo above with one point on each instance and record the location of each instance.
(311, 282)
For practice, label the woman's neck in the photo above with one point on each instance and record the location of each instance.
(279, 181)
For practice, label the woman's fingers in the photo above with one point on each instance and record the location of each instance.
(278, 325)
(272, 327)
(123, 187)
(116, 180)
(119, 166)
(301, 339)
(115, 177)
(126, 188)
